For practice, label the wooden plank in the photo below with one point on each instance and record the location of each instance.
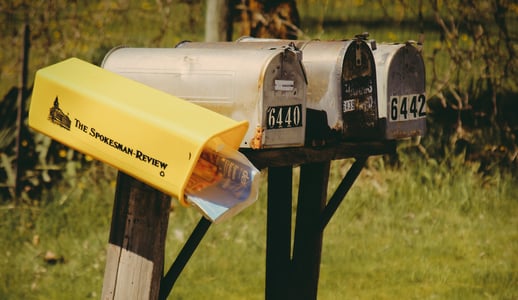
(278, 233)
(305, 155)
(135, 255)
(134, 277)
(307, 247)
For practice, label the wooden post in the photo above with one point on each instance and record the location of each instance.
(278, 232)
(307, 245)
(135, 254)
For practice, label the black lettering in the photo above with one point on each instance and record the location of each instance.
(139, 155)
(111, 142)
(149, 159)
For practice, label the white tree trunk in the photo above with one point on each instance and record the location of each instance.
(216, 22)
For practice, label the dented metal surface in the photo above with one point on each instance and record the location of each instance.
(265, 87)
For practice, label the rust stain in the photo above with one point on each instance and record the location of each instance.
(257, 140)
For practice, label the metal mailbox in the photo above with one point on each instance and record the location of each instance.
(341, 99)
(267, 87)
(401, 90)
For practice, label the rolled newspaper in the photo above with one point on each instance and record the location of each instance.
(222, 184)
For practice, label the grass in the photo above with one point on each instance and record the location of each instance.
(425, 231)
(55, 248)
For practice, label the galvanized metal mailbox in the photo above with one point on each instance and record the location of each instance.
(341, 99)
(267, 87)
(401, 90)
(359, 92)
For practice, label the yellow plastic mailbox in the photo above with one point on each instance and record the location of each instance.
(143, 132)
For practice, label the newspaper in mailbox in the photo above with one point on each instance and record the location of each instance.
(222, 184)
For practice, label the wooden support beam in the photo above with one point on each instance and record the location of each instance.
(304, 155)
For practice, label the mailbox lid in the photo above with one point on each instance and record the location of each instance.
(401, 89)
(231, 82)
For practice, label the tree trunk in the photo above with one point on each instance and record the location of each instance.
(217, 25)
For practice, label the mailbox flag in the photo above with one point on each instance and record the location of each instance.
(148, 134)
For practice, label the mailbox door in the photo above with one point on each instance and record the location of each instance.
(284, 103)
(359, 94)
(406, 99)
(323, 63)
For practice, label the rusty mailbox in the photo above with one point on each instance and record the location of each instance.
(401, 89)
(341, 85)
(267, 87)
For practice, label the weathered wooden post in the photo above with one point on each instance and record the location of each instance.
(135, 254)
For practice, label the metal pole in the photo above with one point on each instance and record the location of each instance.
(342, 190)
(167, 283)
